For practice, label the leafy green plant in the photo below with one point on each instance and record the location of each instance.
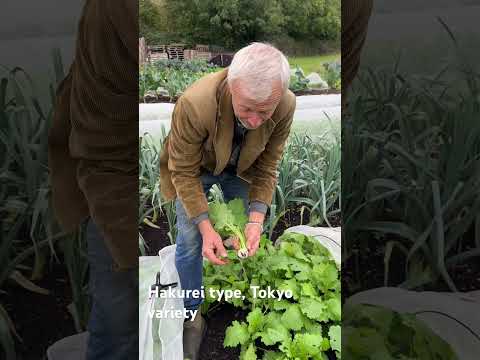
(308, 178)
(148, 184)
(299, 321)
(28, 230)
(172, 75)
(151, 206)
(13, 260)
(229, 219)
(333, 74)
(414, 151)
(298, 81)
(193, 65)
(375, 332)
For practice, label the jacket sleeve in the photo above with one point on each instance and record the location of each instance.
(355, 17)
(185, 156)
(63, 168)
(264, 168)
(123, 14)
(104, 135)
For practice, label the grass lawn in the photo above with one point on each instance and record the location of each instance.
(313, 63)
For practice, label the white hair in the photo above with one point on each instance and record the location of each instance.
(259, 65)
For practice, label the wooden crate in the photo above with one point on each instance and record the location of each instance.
(176, 51)
(157, 52)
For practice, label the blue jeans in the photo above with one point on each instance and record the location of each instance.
(113, 322)
(188, 255)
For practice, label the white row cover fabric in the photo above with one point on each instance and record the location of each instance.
(159, 339)
(455, 317)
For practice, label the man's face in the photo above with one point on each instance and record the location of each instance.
(249, 111)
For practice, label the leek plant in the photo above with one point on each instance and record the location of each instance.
(413, 156)
(308, 178)
(28, 229)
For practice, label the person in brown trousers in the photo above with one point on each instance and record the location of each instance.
(93, 160)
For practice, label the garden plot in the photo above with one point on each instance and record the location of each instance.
(166, 80)
(308, 193)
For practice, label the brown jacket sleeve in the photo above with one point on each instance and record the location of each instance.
(186, 136)
(69, 203)
(98, 121)
(265, 167)
(123, 15)
(355, 16)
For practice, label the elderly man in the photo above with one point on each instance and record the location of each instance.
(228, 128)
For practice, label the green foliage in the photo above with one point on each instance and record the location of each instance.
(150, 203)
(28, 229)
(229, 219)
(373, 332)
(298, 81)
(309, 178)
(333, 74)
(148, 186)
(311, 19)
(233, 24)
(225, 23)
(172, 75)
(304, 326)
(414, 171)
(151, 21)
(175, 76)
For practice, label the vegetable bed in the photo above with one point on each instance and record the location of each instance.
(166, 80)
(299, 321)
(298, 315)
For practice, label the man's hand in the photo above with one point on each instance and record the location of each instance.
(253, 231)
(212, 247)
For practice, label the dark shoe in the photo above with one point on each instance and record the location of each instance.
(193, 333)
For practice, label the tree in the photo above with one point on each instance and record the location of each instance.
(152, 23)
(225, 22)
(312, 19)
(235, 23)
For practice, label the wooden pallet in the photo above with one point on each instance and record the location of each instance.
(176, 51)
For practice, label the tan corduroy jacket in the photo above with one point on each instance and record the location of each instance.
(201, 138)
(93, 139)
